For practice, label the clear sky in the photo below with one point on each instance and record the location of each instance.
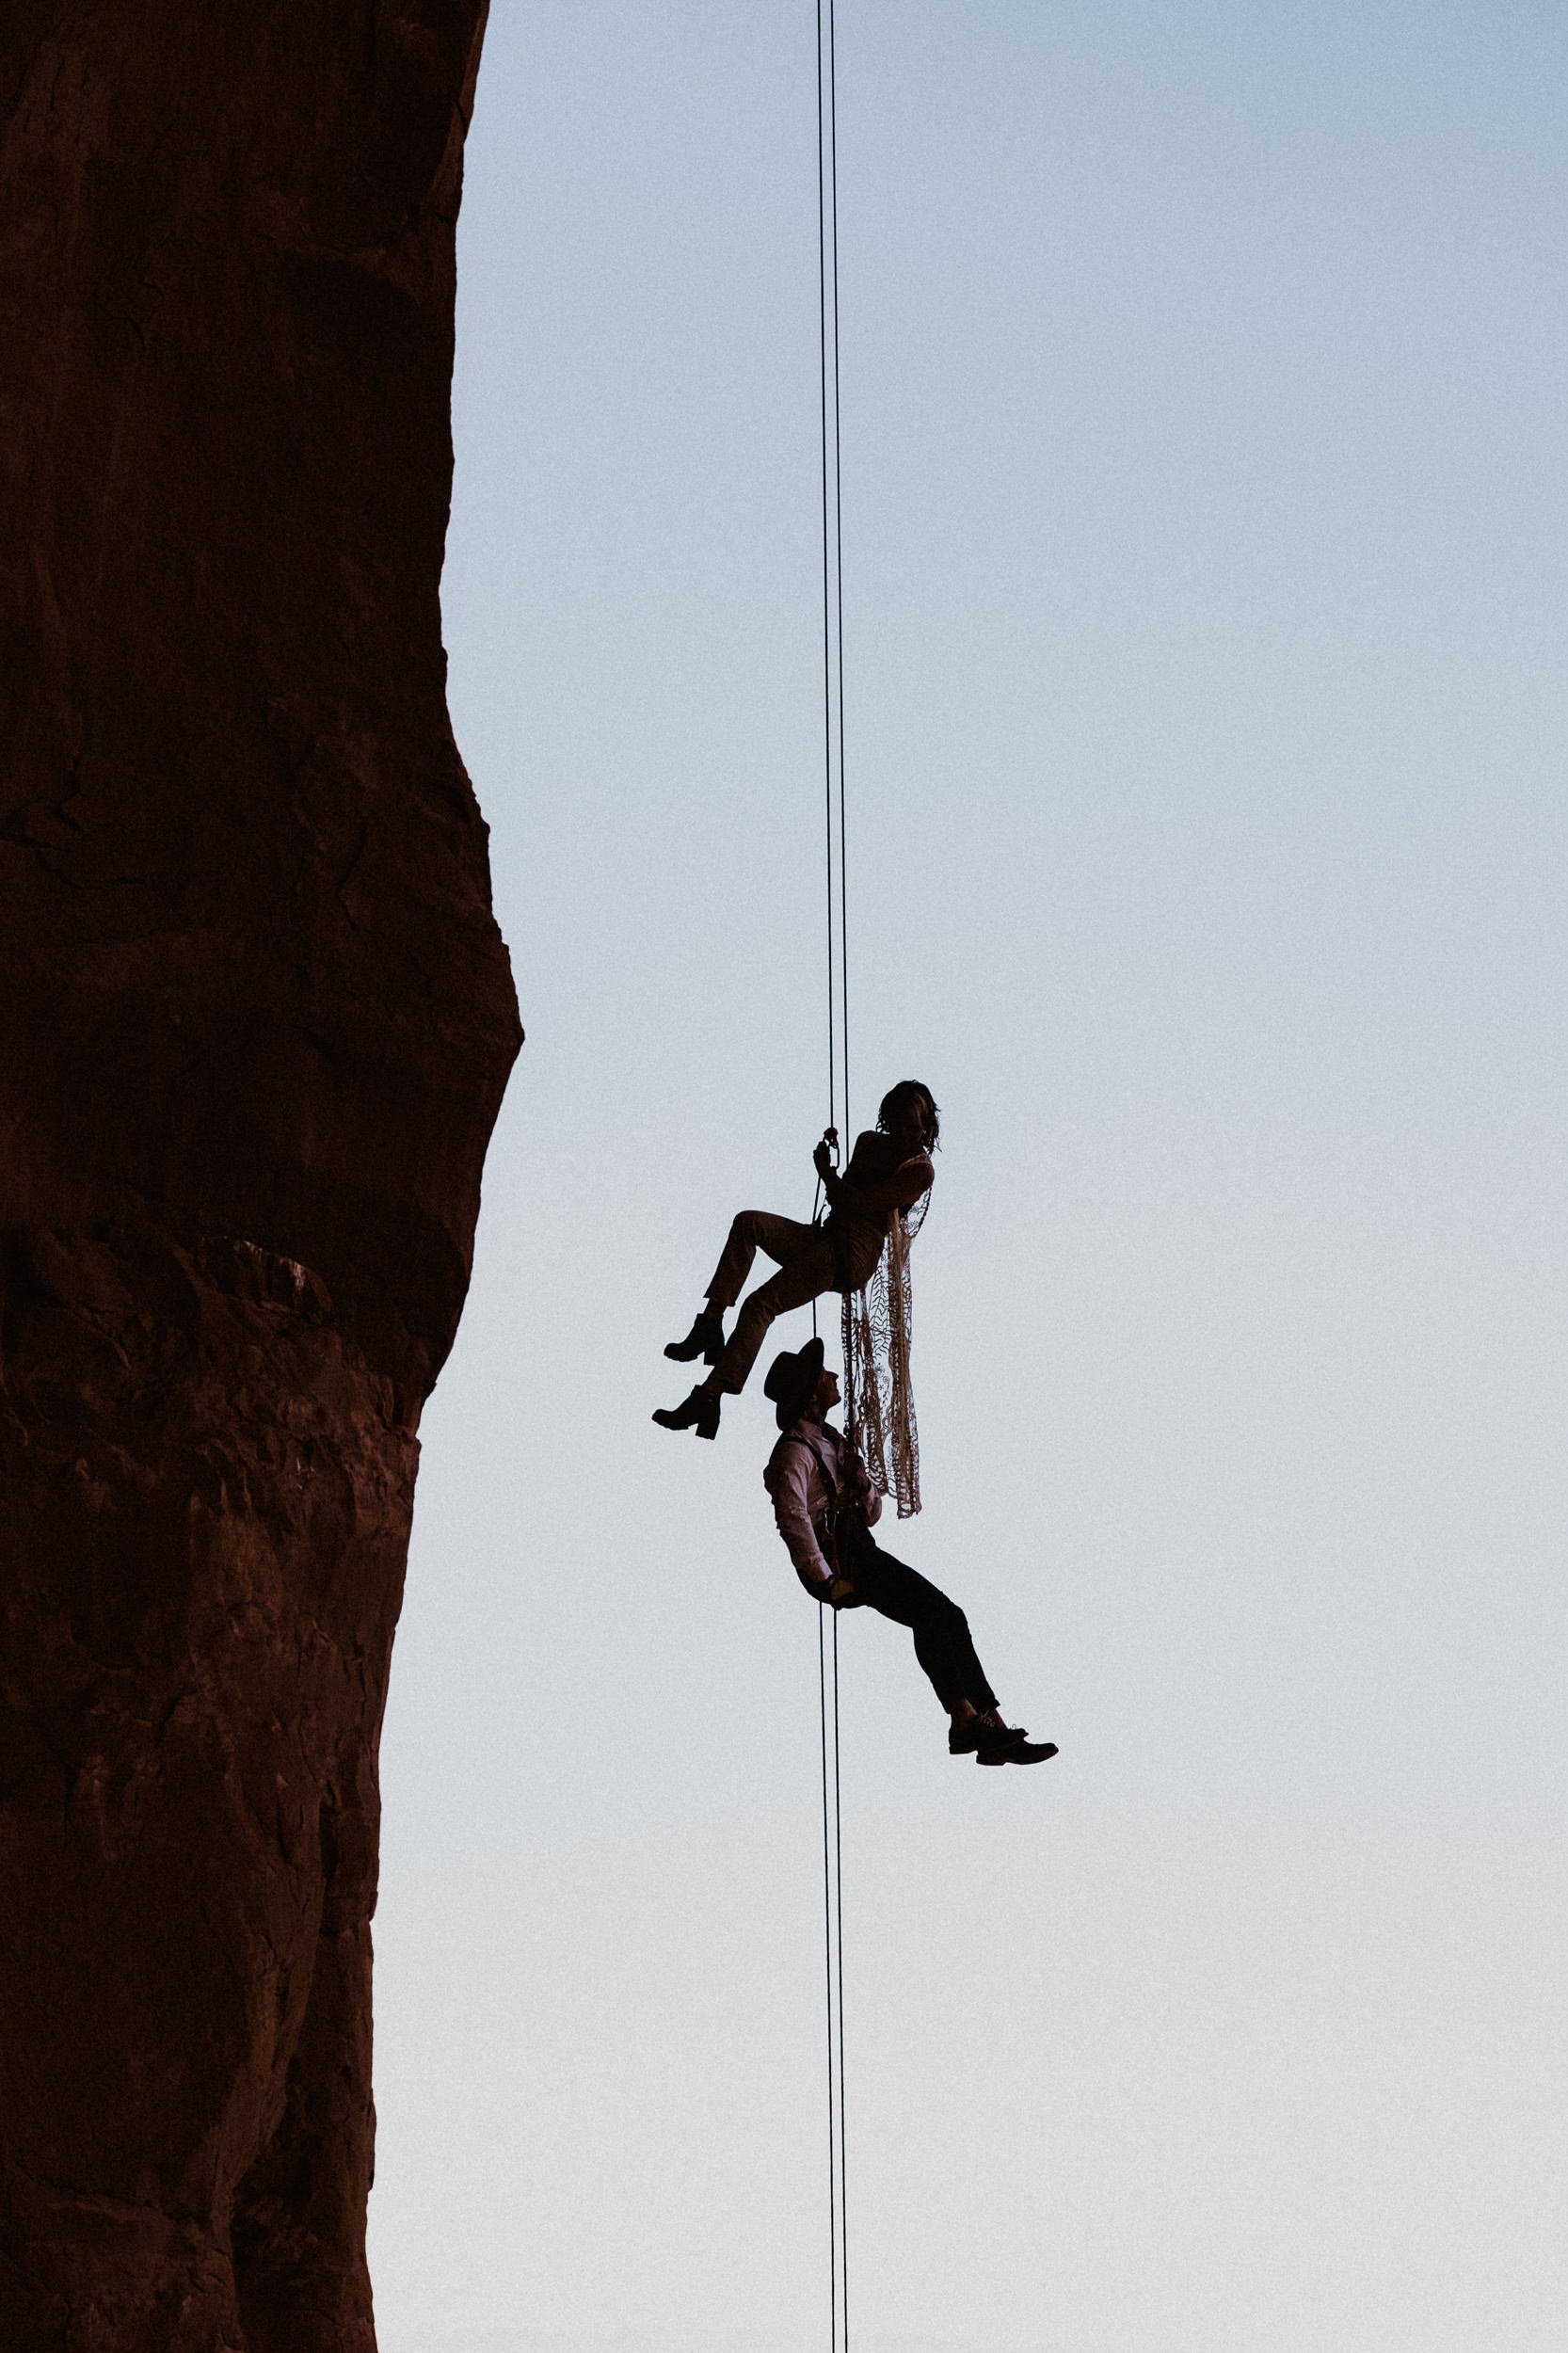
(1207, 550)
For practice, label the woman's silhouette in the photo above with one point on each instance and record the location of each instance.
(890, 1171)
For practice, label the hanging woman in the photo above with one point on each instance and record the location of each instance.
(875, 1202)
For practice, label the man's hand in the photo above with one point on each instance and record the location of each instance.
(825, 1160)
(841, 1594)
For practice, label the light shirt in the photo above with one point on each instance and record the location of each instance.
(807, 1471)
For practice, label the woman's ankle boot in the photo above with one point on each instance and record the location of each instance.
(704, 1339)
(698, 1412)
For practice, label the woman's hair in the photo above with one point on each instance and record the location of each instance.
(898, 1098)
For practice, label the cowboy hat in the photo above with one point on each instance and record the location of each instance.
(791, 1378)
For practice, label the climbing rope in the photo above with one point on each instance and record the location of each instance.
(833, 1971)
(834, 822)
(837, 1070)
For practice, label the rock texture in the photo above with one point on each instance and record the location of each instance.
(255, 1020)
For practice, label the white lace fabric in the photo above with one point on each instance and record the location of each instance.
(878, 1328)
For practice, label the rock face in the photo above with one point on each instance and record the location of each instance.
(255, 1022)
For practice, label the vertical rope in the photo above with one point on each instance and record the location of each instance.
(832, 564)
(833, 1971)
(827, 1837)
(831, 304)
(829, 470)
(837, 1063)
(838, 1942)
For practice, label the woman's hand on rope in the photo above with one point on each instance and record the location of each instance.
(825, 1160)
(840, 1594)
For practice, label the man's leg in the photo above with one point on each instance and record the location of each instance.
(942, 1640)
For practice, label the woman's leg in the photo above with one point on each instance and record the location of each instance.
(804, 1276)
(782, 1238)
(942, 1641)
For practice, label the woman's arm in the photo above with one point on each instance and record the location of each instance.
(822, 1161)
(900, 1190)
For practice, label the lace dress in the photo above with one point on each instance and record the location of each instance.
(878, 1322)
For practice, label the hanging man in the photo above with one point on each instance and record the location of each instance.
(825, 1503)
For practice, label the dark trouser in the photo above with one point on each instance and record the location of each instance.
(942, 1631)
(811, 1259)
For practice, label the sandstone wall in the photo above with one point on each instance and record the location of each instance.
(255, 1020)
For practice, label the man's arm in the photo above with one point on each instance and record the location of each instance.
(790, 1486)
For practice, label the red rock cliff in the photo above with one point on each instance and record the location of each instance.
(255, 1020)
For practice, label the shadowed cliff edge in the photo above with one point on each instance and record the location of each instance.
(255, 1022)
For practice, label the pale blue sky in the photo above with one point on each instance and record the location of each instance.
(1206, 533)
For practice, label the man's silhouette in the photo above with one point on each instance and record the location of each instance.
(824, 1504)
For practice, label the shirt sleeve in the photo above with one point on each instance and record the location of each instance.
(790, 1486)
